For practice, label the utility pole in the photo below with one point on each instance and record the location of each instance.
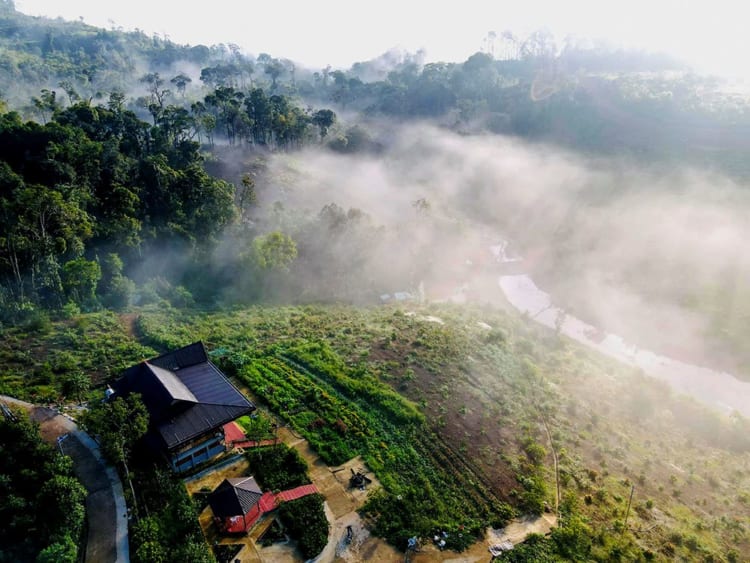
(627, 512)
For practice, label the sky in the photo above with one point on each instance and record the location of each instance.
(709, 35)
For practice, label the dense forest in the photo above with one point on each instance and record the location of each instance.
(43, 504)
(152, 194)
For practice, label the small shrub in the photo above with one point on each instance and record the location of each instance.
(181, 297)
(70, 310)
(692, 543)
(38, 321)
(307, 523)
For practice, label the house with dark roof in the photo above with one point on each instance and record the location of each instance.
(189, 401)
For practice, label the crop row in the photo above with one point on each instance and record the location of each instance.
(343, 414)
(358, 385)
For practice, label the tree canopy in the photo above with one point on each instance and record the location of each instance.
(41, 501)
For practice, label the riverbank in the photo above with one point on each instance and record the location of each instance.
(717, 389)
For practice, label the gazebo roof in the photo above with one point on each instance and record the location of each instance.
(235, 497)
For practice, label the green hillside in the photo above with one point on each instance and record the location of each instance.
(155, 194)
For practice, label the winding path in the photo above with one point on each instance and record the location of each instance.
(106, 513)
(554, 458)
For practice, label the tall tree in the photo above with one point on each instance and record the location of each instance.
(181, 82)
(46, 104)
(323, 119)
(118, 425)
(274, 69)
(226, 102)
(274, 251)
(157, 94)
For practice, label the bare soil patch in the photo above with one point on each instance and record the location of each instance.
(464, 417)
(129, 322)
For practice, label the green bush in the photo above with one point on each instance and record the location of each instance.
(307, 523)
(38, 321)
(534, 493)
(535, 549)
(572, 539)
(70, 310)
(119, 292)
(277, 468)
(62, 551)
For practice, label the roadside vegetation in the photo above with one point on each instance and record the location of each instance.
(167, 529)
(42, 503)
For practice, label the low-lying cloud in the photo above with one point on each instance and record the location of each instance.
(631, 247)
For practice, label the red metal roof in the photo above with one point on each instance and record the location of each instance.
(297, 492)
(233, 433)
(267, 502)
(235, 437)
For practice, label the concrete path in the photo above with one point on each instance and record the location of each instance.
(105, 504)
(106, 513)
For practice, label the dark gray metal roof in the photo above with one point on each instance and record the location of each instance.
(172, 384)
(186, 356)
(201, 380)
(187, 401)
(197, 420)
(234, 497)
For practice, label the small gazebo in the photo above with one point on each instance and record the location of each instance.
(238, 503)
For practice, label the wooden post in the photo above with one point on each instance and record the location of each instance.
(627, 512)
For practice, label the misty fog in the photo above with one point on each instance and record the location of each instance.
(631, 248)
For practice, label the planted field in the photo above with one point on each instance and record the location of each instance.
(343, 416)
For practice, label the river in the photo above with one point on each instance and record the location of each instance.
(714, 388)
